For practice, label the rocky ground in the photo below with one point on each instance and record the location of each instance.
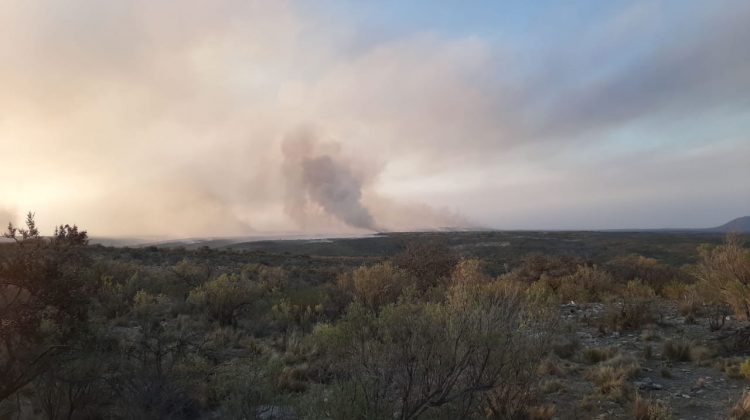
(677, 364)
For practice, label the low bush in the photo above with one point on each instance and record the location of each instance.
(741, 409)
(677, 350)
(646, 409)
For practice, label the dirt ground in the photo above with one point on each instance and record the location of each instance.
(699, 388)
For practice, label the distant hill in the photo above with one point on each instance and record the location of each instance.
(739, 225)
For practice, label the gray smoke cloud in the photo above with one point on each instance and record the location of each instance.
(332, 185)
(319, 178)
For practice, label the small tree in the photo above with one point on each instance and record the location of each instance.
(43, 301)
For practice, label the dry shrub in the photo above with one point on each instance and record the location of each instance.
(677, 350)
(650, 271)
(649, 334)
(700, 353)
(610, 377)
(534, 267)
(541, 412)
(724, 273)
(645, 409)
(376, 285)
(552, 386)
(430, 262)
(609, 380)
(469, 271)
(477, 350)
(586, 284)
(565, 346)
(730, 367)
(741, 410)
(598, 354)
(745, 369)
(634, 307)
(549, 366)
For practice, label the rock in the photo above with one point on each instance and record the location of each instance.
(648, 385)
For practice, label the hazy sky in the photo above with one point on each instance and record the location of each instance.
(188, 118)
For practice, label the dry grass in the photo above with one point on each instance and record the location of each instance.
(741, 410)
(677, 350)
(611, 377)
(595, 355)
(730, 367)
(645, 409)
(550, 366)
(552, 386)
(541, 412)
(565, 346)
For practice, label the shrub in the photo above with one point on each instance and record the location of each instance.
(677, 350)
(724, 271)
(565, 346)
(430, 262)
(476, 350)
(741, 410)
(552, 386)
(535, 266)
(598, 354)
(730, 367)
(650, 271)
(469, 271)
(608, 380)
(245, 387)
(745, 369)
(223, 297)
(586, 284)
(376, 285)
(645, 409)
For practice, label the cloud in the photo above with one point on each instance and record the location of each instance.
(145, 118)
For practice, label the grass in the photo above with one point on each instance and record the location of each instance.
(677, 350)
(596, 355)
(646, 409)
(741, 410)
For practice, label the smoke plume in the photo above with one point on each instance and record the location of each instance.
(322, 180)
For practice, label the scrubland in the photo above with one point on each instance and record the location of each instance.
(422, 327)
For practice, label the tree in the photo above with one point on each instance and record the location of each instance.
(43, 301)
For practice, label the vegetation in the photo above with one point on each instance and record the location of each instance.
(431, 328)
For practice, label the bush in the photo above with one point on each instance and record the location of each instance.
(741, 410)
(598, 354)
(469, 271)
(586, 284)
(429, 262)
(745, 369)
(410, 359)
(645, 409)
(677, 350)
(724, 272)
(223, 297)
(650, 271)
(376, 285)
(634, 308)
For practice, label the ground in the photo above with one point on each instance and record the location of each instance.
(692, 389)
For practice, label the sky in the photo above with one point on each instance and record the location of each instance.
(224, 118)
